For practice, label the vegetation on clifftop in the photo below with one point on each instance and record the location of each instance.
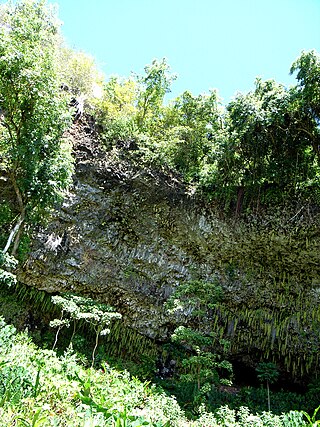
(261, 150)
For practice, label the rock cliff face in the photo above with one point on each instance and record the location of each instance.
(128, 235)
(123, 235)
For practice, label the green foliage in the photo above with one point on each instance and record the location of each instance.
(187, 132)
(118, 99)
(15, 384)
(268, 150)
(153, 87)
(7, 264)
(195, 297)
(261, 150)
(39, 389)
(312, 420)
(79, 73)
(307, 67)
(78, 308)
(242, 417)
(268, 372)
(36, 385)
(7, 333)
(202, 364)
(255, 398)
(129, 107)
(33, 156)
(115, 112)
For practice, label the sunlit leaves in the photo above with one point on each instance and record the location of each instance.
(75, 308)
(79, 72)
(34, 110)
(307, 67)
(267, 145)
(153, 86)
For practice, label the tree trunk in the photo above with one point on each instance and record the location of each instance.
(239, 200)
(17, 238)
(95, 347)
(15, 233)
(268, 392)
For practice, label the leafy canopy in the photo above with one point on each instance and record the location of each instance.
(34, 158)
(262, 149)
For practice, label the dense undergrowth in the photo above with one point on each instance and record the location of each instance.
(38, 388)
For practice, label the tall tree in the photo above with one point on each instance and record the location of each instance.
(79, 72)
(116, 110)
(189, 127)
(267, 151)
(307, 67)
(34, 159)
(153, 87)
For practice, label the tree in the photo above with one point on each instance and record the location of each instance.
(307, 67)
(153, 87)
(267, 151)
(79, 72)
(203, 364)
(268, 372)
(131, 107)
(69, 313)
(188, 128)
(34, 159)
(119, 98)
(75, 308)
(116, 110)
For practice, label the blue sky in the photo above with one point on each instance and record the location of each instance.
(222, 44)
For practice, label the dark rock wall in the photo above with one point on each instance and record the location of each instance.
(128, 235)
